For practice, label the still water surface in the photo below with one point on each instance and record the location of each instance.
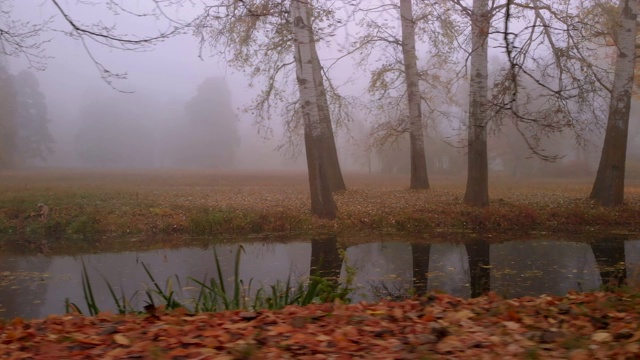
(33, 286)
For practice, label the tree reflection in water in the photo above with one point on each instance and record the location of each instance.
(391, 270)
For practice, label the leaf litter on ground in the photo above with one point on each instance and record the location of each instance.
(214, 203)
(577, 326)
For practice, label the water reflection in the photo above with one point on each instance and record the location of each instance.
(533, 267)
(34, 285)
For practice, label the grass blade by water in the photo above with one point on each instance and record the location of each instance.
(120, 306)
(168, 299)
(219, 270)
(311, 292)
(88, 292)
(210, 295)
(70, 307)
(236, 278)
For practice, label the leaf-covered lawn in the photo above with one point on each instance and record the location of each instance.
(210, 203)
(578, 326)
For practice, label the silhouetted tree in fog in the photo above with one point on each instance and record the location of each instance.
(408, 87)
(7, 117)
(33, 138)
(477, 191)
(24, 126)
(211, 133)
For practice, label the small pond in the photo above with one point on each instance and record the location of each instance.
(35, 285)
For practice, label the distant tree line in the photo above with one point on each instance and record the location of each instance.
(124, 131)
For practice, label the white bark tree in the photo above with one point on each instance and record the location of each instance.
(419, 178)
(322, 203)
(608, 188)
(259, 37)
(327, 140)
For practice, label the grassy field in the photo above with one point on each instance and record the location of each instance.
(201, 203)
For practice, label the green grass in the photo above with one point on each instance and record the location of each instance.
(214, 295)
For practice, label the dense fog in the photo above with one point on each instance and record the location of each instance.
(181, 107)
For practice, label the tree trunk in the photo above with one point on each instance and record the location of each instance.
(421, 255)
(326, 261)
(479, 253)
(608, 188)
(477, 192)
(419, 179)
(322, 203)
(329, 151)
(610, 257)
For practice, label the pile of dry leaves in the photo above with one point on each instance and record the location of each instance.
(577, 326)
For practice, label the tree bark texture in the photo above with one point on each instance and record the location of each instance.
(608, 188)
(329, 151)
(477, 191)
(419, 178)
(322, 203)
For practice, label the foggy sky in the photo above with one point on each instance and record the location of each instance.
(168, 75)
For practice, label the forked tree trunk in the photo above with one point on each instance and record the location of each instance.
(322, 203)
(329, 151)
(477, 192)
(419, 178)
(608, 188)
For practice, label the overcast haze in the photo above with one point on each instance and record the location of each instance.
(166, 76)
(163, 79)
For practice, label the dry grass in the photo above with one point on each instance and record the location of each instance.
(210, 203)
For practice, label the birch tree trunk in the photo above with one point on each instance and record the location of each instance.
(608, 188)
(329, 151)
(322, 203)
(419, 178)
(477, 192)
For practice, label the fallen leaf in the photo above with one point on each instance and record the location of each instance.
(121, 339)
(449, 344)
(602, 337)
(89, 340)
(635, 337)
(323, 338)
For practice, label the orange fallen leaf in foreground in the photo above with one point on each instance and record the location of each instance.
(440, 328)
(121, 339)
